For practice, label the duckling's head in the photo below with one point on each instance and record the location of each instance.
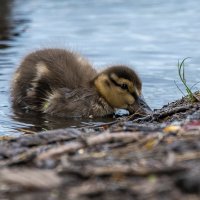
(121, 88)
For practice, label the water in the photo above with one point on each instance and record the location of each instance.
(151, 36)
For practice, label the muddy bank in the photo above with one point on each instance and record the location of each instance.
(152, 157)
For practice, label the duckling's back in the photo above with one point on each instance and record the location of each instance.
(44, 71)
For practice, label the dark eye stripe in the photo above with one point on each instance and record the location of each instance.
(134, 94)
(113, 81)
(124, 86)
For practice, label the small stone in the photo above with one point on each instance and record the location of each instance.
(121, 112)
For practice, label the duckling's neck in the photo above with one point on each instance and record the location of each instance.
(106, 91)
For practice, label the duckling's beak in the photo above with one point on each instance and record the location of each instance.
(143, 105)
(140, 106)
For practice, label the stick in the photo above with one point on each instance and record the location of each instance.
(91, 141)
(160, 115)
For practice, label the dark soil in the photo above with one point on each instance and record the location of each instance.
(151, 157)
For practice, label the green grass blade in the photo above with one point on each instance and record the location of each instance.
(181, 73)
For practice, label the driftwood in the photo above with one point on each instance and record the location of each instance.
(156, 116)
(29, 178)
(92, 141)
(126, 159)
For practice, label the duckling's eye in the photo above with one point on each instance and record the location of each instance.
(124, 86)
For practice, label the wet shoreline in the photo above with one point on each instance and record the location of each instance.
(152, 157)
(152, 49)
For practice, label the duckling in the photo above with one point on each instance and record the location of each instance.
(62, 83)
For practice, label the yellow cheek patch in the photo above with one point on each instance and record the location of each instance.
(99, 83)
(115, 95)
(131, 100)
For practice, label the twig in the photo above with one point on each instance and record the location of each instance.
(30, 178)
(163, 114)
(122, 169)
(91, 141)
(188, 156)
(95, 125)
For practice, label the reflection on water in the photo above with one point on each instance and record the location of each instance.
(149, 35)
(5, 24)
(35, 123)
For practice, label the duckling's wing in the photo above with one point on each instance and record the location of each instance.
(82, 102)
(65, 102)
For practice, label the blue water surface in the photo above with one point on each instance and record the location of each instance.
(150, 36)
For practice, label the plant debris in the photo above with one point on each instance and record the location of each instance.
(152, 157)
